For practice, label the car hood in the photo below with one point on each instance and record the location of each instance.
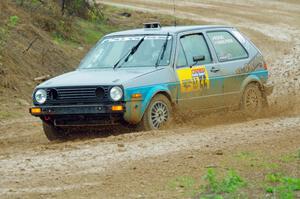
(90, 77)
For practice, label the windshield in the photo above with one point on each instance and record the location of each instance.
(109, 50)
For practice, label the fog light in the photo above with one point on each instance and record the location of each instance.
(117, 108)
(35, 111)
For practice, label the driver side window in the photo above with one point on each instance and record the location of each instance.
(181, 60)
(195, 45)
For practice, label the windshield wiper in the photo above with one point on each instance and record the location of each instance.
(130, 53)
(162, 51)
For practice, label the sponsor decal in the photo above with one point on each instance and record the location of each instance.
(193, 79)
(221, 40)
(135, 38)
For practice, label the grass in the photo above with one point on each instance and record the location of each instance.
(88, 32)
(214, 188)
(13, 21)
(229, 186)
(251, 159)
(232, 185)
(187, 183)
(280, 186)
(92, 31)
(265, 177)
(85, 33)
(290, 157)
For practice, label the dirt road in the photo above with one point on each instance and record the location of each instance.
(140, 165)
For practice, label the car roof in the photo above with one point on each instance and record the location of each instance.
(165, 30)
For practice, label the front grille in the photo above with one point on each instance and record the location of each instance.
(77, 95)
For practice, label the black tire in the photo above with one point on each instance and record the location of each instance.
(252, 100)
(53, 133)
(157, 114)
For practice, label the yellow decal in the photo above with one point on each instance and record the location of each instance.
(193, 79)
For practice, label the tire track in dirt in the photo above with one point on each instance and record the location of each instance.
(86, 159)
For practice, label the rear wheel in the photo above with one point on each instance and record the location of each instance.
(252, 101)
(52, 132)
(157, 114)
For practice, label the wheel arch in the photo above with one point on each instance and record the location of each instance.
(251, 79)
(161, 91)
(166, 94)
(135, 117)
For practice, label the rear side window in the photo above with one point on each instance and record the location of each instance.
(195, 45)
(227, 47)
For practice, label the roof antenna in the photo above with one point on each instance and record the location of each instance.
(174, 10)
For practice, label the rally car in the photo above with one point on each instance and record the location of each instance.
(139, 76)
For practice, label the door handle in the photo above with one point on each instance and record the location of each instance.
(214, 69)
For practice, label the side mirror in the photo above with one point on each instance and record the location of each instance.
(198, 58)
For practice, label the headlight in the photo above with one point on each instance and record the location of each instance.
(116, 93)
(40, 96)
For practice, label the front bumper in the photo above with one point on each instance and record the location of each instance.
(80, 115)
(268, 89)
(76, 110)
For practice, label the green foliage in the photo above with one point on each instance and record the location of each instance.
(76, 7)
(85, 9)
(64, 28)
(35, 1)
(230, 184)
(28, 2)
(91, 32)
(215, 187)
(93, 16)
(282, 186)
(13, 21)
(273, 177)
(95, 12)
(211, 178)
(6, 28)
(76, 30)
(83, 32)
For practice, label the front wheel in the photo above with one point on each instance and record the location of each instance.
(157, 114)
(252, 101)
(52, 132)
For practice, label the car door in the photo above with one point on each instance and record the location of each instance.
(200, 84)
(232, 56)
